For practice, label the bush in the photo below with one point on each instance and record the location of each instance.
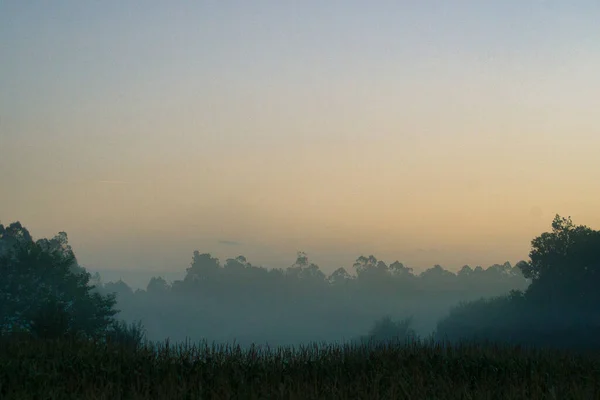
(130, 336)
(515, 320)
(387, 330)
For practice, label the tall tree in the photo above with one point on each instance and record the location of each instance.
(400, 270)
(42, 290)
(339, 276)
(564, 265)
(304, 269)
(203, 267)
(157, 285)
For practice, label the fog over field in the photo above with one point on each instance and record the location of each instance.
(300, 304)
(288, 172)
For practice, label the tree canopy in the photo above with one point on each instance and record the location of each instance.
(564, 265)
(561, 306)
(43, 291)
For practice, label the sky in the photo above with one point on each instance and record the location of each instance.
(430, 132)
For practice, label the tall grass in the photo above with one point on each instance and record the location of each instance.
(74, 369)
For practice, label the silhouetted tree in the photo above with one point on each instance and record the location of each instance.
(11, 236)
(364, 264)
(236, 265)
(370, 269)
(564, 265)
(339, 276)
(119, 288)
(42, 291)
(561, 305)
(305, 270)
(398, 269)
(157, 285)
(203, 267)
(465, 271)
(438, 276)
(500, 269)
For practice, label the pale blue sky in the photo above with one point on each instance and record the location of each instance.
(334, 127)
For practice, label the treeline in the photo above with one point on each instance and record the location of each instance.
(535, 302)
(239, 301)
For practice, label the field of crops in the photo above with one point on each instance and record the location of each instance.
(65, 369)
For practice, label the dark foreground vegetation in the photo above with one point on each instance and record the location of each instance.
(65, 369)
(62, 336)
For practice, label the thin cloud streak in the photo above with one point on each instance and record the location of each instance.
(229, 242)
(114, 182)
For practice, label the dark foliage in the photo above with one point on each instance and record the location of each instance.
(44, 293)
(85, 370)
(57, 323)
(561, 307)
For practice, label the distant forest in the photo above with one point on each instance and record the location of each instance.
(552, 299)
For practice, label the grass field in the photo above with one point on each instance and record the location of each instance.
(66, 369)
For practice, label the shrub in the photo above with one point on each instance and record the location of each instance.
(387, 330)
(130, 336)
